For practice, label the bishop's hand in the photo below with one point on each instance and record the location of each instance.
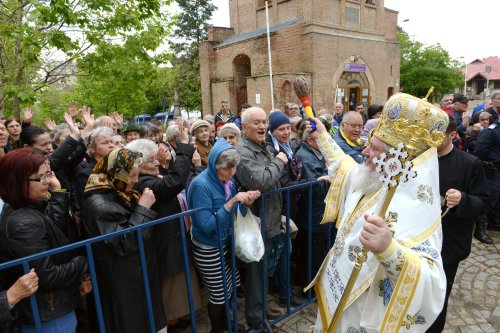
(376, 235)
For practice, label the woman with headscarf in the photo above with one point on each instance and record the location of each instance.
(111, 204)
(215, 190)
(167, 185)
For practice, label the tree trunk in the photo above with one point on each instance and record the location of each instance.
(16, 101)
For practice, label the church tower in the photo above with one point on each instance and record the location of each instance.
(346, 49)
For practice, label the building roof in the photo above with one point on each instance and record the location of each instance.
(258, 32)
(478, 67)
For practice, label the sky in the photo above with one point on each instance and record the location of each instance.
(467, 30)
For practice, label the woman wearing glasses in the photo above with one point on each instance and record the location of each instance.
(30, 224)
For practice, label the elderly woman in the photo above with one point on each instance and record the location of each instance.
(99, 143)
(231, 133)
(215, 189)
(166, 237)
(111, 204)
(31, 223)
(201, 131)
(150, 131)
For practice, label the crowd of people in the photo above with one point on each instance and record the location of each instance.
(91, 176)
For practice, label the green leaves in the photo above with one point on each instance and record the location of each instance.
(425, 66)
(41, 40)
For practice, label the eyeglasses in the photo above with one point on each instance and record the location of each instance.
(44, 179)
(481, 119)
(354, 126)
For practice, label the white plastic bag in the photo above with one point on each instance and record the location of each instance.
(248, 243)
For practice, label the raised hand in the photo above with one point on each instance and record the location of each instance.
(183, 132)
(118, 119)
(164, 156)
(320, 128)
(50, 124)
(72, 109)
(87, 117)
(28, 114)
(75, 132)
(196, 160)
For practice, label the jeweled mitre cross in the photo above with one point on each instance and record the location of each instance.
(393, 169)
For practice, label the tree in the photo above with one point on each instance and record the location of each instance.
(425, 66)
(190, 30)
(117, 77)
(41, 39)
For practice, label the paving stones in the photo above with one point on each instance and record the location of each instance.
(474, 304)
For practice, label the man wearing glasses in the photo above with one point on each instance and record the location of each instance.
(292, 110)
(348, 137)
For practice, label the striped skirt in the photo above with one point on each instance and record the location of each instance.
(208, 262)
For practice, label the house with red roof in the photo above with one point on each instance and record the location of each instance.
(479, 73)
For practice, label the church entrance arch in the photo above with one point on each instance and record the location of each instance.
(241, 71)
(353, 88)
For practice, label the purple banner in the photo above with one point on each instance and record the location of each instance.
(355, 67)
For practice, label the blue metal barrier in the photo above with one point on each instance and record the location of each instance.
(95, 286)
(231, 300)
(266, 325)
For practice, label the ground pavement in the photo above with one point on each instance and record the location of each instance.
(474, 305)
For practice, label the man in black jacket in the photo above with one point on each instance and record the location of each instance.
(464, 188)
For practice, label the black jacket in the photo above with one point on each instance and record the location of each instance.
(166, 236)
(63, 162)
(463, 172)
(118, 266)
(33, 229)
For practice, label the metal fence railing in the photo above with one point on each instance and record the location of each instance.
(231, 300)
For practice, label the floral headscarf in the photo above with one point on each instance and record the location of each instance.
(112, 173)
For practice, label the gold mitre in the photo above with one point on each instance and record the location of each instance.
(413, 121)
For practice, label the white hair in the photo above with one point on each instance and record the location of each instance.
(172, 132)
(146, 147)
(91, 138)
(247, 115)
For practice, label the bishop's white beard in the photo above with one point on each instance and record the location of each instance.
(366, 181)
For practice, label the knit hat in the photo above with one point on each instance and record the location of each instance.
(276, 119)
(197, 124)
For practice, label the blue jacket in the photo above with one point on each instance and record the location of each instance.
(458, 117)
(207, 191)
(354, 152)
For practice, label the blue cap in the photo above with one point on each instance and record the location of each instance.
(276, 119)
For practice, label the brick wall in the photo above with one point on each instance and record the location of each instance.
(318, 47)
